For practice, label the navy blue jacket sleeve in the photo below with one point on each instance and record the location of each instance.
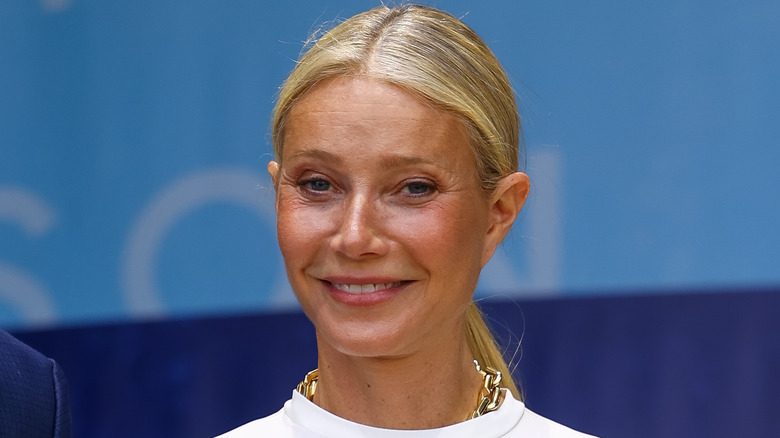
(33, 393)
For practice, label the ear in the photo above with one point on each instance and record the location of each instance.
(273, 171)
(505, 204)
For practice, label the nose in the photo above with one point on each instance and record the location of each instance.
(359, 233)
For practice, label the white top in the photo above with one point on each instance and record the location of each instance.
(300, 418)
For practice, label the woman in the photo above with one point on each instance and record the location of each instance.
(396, 140)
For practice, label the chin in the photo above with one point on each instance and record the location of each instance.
(360, 341)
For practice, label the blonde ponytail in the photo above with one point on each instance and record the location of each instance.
(485, 349)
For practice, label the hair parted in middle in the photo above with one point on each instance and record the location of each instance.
(429, 53)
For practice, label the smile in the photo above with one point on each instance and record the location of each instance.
(365, 288)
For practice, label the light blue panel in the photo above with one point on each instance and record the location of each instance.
(666, 116)
(134, 137)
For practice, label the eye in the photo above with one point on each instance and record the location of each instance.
(418, 188)
(317, 185)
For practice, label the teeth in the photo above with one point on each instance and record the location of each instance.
(365, 288)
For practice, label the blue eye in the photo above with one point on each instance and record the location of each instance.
(419, 188)
(318, 185)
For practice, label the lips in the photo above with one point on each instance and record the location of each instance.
(364, 288)
(361, 292)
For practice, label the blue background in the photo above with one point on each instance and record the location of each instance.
(651, 134)
(137, 241)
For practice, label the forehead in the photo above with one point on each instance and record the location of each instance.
(372, 95)
(360, 108)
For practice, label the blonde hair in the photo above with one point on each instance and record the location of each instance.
(434, 55)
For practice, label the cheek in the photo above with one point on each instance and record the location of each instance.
(298, 229)
(447, 234)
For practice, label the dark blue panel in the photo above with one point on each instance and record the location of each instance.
(653, 366)
(185, 378)
(642, 366)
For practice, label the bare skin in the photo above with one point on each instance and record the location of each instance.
(414, 392)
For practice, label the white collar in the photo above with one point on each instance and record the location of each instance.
(313, 418)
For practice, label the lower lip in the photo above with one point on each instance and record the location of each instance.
(364, 299)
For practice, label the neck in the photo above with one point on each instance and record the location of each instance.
(418, 391)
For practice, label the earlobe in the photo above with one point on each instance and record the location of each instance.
(505, 204)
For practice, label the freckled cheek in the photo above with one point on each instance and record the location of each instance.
(301, 231)
(436, 231)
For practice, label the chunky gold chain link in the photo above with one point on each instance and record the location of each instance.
(309, 384)
(490, 394)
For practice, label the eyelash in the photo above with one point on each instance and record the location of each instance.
(427, 185)
(307, 184)
(406, 187)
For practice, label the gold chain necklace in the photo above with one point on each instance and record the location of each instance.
(489, 395)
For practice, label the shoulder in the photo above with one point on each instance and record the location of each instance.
(14, 351)
(533, 424)
(33, 385)
(530, 424)
(272, 425)
(23, 369)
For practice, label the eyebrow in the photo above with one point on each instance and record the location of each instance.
(318, 154)
(386, 162)
(403, 160)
